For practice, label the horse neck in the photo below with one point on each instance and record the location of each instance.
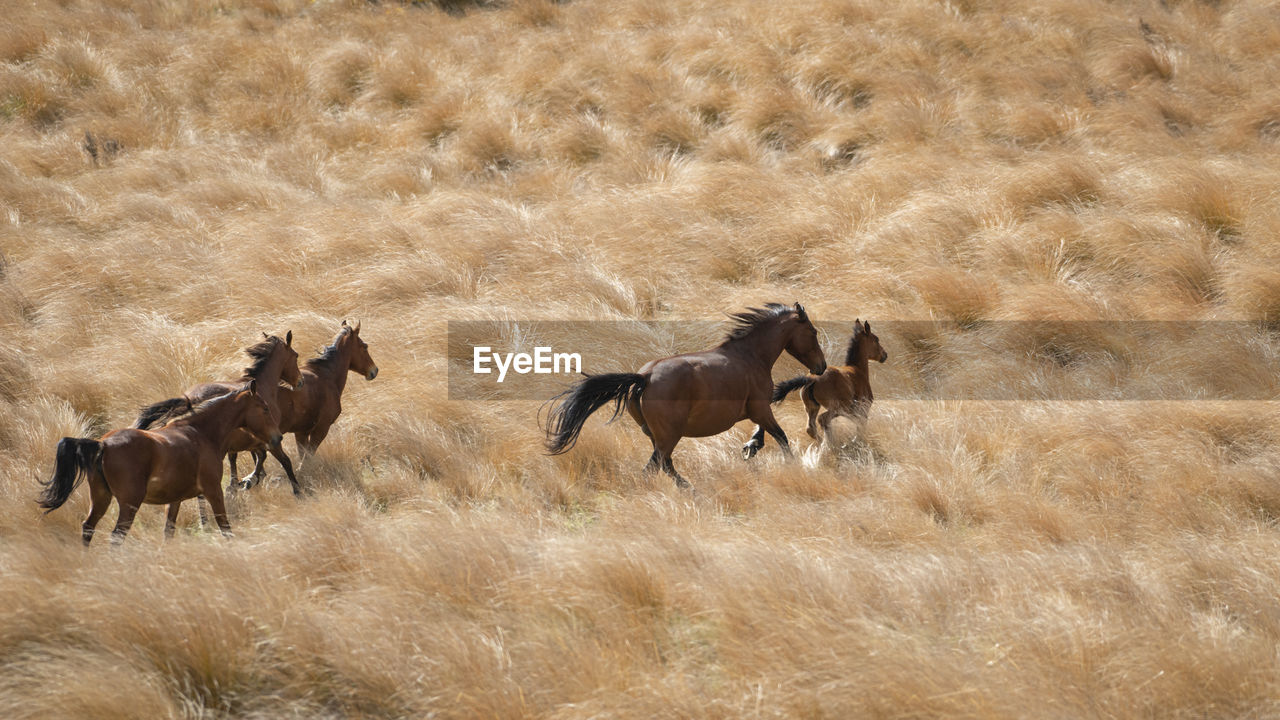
(269, 377)
(857, 358)
(334, 373)
(218, 420)
(764, 344)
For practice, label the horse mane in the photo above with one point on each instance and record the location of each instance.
(204, 405)
(259, 354)
(751, 318)
(329, 354)
(851, 355)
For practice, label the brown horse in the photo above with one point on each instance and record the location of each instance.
(274, 360)
(163, 467)
(696, 394)
(842, 389)
(311, 409)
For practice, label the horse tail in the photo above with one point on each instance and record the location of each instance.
(76, 459)
(784, 388)
(152, 415)
(576, 404)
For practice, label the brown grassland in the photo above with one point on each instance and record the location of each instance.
(272, 165)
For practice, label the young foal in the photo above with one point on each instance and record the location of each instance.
(177, 462)
(842, 389)
(696, 394)
(274, 360)
(313, 407)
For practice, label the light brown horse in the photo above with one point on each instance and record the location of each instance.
(274, 360)
(311, 409)
(696, 394)
(162, 467)
(844, 390)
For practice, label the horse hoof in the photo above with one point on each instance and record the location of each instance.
(748, 452)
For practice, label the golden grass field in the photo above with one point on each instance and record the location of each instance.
(273, 165)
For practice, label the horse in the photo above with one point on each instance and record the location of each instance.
(179, 461)
(310, 410)
(696, 394)
(842, 389)
(274, 360)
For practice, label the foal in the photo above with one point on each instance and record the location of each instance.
(842, 389)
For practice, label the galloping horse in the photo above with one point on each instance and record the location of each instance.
(311, 409)
(842, 389)
(179, 461)
(273, 360)
(696, 394)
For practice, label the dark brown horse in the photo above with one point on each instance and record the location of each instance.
(696, 394)
(179, 461)
(274, 360)
(842, 389)
(310, 410)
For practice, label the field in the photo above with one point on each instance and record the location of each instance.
(178, 177)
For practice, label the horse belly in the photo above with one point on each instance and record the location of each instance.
(713, 418)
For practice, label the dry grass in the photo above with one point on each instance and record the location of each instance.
(1011, 167)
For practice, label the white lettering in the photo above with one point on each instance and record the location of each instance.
(543, 361)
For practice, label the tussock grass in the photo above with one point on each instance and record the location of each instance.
(1026, 171)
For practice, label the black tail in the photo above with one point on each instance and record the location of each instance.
(566, 418)
(77, 457)
(152, 415)
(784, 388)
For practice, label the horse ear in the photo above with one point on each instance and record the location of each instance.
(344, 323)
(266, 336)
(800, 313)
(253, 385)
(866, 325)
(356, 329)
(288, 338)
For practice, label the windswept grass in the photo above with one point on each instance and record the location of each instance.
(179, 177)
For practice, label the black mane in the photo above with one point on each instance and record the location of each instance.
(851, 355)
(751, 318)
(259, 354)
(329, 355)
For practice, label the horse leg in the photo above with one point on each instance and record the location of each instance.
(213, 493)
(671, 470)
(287, 464)
(633, 408)
(811, 407)
(100, 499)
(128, 508)
(663, 444)
(754, 444)
(825, 421)
(204, 511)
(654, 463)
(232, 484)
(171, 520)
(761, 414)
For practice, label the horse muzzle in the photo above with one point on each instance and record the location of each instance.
(884, 356)
(820, 369)
(277, 439)
(372, 373)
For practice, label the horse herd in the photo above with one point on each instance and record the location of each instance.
(174, 451)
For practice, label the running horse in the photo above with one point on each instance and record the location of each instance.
(179, 461)
(696, 394)
(845, 390)
(311, 409)
(274, 360)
